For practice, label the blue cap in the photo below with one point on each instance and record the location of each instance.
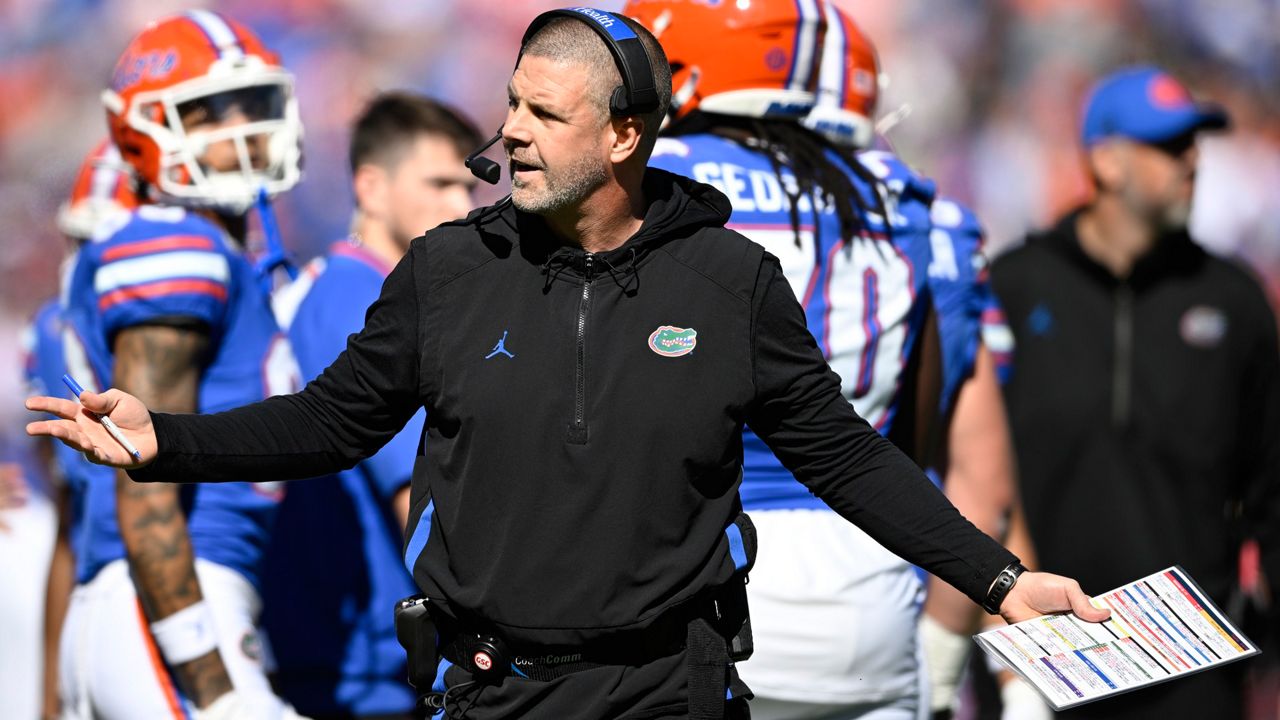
(1145, 104)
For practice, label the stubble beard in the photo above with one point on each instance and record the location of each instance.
(1173, 216)
(1169, 215)
(560, 188)
(1176, 217)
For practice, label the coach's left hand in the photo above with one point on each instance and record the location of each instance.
(1041, 593)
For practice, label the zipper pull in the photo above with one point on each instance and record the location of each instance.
(587, 269)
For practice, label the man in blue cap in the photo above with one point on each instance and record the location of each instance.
(1145, 395)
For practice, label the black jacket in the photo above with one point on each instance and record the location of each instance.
(583, 480)
(1145, 412)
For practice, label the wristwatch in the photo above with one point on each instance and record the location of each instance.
(1001, 587)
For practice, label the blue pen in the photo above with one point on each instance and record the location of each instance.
(106, 421)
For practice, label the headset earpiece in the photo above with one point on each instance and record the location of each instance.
(618, 105)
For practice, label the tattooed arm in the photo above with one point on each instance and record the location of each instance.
(162, 365)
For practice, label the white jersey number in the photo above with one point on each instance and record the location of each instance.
(869, 293)
(280, 372)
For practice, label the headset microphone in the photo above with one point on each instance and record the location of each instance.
(484, 168)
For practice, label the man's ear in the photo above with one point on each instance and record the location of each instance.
(627, 132)
(1107, 162)
(371, 184)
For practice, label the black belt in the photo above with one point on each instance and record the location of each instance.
(714, 633)
(488, 657)
(464, 652)
(714, 630)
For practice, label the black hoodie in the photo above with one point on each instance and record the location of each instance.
(584, 417)
(1145, 411)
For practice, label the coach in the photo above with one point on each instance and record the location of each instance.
(1145, 395)
(587, 353)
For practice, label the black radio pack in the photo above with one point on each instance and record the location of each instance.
(417, 635)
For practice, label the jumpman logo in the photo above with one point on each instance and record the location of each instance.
(501, 348)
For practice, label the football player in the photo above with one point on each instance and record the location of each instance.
(165, 303)
(976, 451)
(104, 189)
(833, 612)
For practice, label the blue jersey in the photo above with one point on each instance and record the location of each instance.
(864, 298)
(164, 265)
(94, 537)
(961, 291)
(334, 569)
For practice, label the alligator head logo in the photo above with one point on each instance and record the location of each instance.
(671, 341)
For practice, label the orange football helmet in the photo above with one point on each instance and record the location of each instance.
(756, 58)
(849, 84)
(212, 71)
(104, 188)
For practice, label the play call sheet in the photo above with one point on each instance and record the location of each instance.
(1162, 627)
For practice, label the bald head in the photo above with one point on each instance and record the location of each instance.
(571, 41)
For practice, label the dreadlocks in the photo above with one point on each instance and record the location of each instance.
(813, 163)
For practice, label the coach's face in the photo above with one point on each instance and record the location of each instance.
(1163, 179)
(1155, 181)
(556, 135)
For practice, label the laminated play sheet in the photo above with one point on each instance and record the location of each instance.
(1162, 627)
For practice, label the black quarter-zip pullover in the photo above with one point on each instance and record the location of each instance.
(584, 417)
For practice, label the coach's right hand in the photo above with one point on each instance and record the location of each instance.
(79, 427)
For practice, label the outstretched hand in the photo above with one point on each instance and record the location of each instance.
(78, 426)
(1040, 593)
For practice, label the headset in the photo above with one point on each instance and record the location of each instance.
(638, 93)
